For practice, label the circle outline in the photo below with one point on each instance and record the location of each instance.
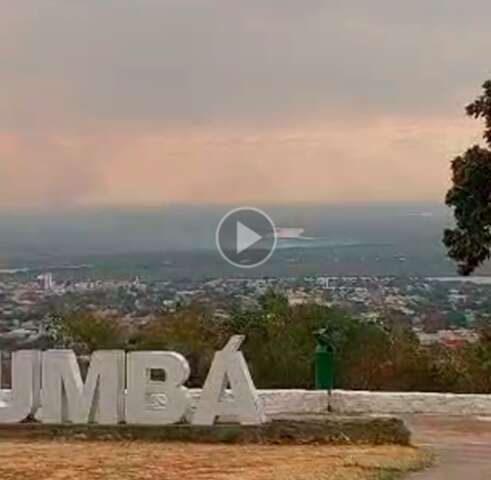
(271, 250)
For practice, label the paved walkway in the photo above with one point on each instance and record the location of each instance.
(462, 446)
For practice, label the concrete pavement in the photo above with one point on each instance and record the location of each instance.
(462, 446)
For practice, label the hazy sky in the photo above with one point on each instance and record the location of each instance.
(126, 102)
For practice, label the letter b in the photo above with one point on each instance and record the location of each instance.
(170, 399)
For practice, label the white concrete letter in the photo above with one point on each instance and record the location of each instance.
(23, 399)
(156, 402)
(65, 397)
(229, 367)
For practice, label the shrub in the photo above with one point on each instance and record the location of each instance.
(281, 342)
(85, 332)
(192, 331)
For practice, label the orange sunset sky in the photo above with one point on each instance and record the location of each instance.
(124, 102)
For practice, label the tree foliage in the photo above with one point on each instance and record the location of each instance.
(469, 243)
(85, 332)
(191, 330)
(280, 346)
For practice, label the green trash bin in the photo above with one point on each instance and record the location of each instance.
(324, 367)
(325, 351)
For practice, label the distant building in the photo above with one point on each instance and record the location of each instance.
(46, 281)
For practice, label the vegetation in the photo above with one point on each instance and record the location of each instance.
(469, 243)
(91, 460)
(85, 332)
(280, 346)
(191, 331)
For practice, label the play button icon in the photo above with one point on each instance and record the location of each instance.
(246, 237)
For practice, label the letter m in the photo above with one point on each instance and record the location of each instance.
(65, 397)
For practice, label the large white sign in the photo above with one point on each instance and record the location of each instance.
(119, 388)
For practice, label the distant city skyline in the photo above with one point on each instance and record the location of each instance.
(123, 103)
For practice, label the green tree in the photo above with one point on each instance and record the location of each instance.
(280, 339)
(190, 330)
(469, 243)
(457, 319)
(85, 332)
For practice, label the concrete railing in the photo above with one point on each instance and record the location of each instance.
(287, 401)
(346, 402)
(350, 401)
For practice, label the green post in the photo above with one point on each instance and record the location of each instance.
(324, 367)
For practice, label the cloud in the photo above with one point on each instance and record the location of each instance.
(192, 62)
(46, 171)
(390, 159)
(86, 84)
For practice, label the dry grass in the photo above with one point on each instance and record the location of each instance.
(84, 460)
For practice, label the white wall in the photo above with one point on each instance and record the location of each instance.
(286, 401)
(362, 402)
(348, 402)
(275, 401)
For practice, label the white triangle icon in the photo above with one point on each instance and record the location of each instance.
(245, 238)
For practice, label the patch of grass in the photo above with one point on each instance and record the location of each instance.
(136, 460)
(385, 475)
(395, 472)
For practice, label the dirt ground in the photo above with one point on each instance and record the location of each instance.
(84, 460)
(462, 446)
